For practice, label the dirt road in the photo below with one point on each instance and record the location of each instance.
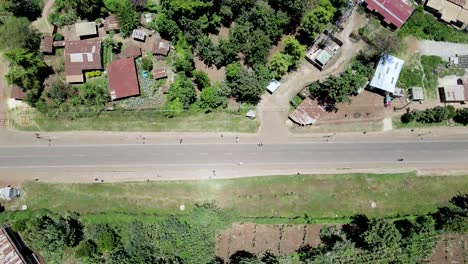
(442, 49)
(273, 109)
(42, 23)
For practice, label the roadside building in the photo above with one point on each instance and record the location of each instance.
(139, 34)
(386, 74)
(161, 47)
(456, 93)
(123, 80)
(451, 11)
(460, 61)
(416, 94)
(86, 29)
(46, 46)
(323, 50)
(132, 52)
(111, 23)
(307, 113)
(8, 193)
(273, 86)
(17, 93)
(393, 13)
(81, 56)
(13, 250)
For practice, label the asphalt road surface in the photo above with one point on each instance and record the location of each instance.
(184, 156)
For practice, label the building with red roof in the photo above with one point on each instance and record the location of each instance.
(394, 12)
(123, 79)
(80, 56)
(17, 93)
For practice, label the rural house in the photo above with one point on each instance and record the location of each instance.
(46, 46)
(86, 29)
(454, 93)
(13, 250)
(394, 13)
(450, 11)
(111, 23)
(80, 56)
(307, 113)
(386, 74)
(123, 80)
(161, 47)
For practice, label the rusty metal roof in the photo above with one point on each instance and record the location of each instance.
(111, 23)
(123, 80)
(161, 47)
(159, 73)
(132, 51)
(82, 55)
(17, 92)
(307, 113)
(46, 44)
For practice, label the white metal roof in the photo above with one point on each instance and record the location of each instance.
(86, 28)
(273, 86)
(387, 73)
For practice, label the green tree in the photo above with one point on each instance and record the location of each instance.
(209, 99)
(30, 9)
(207, 51)
(106, 237)
(11, 39)
(183, 89)
(183, 61)
(293, 48)
(245, 85)
(279, 65)
(382, 235)
(173, 108)
(147, 63)
(315, 21)
(228, 51)
(167, 27)
(294, 8)
(128, 18)
(59, 91)
(256, 48)
(462, 116)
(112, 5)
(201, 79)
(87, 251)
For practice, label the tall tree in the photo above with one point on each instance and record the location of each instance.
(183, 89)
(16, 32)
(315, 21)
(128, 18)
(279, 65)
(30, 9)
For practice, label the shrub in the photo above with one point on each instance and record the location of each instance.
(92, 74)
(147, 63)
(409, 116)
(461, 116)
(58, 37)
(433, 115)
(201, 79)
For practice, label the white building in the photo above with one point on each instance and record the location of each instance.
(387, 73)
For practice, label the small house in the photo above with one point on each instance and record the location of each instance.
(456, 93)
(80, 56)
(86, 29)
(17, 93)
(416, 94)
(139, 34)
(307, 113)
(8, 193)
(46, 46)
(161, 47)
(273, 86)
(132, 52)
(111, 23)
(159, 73)
(323, 50)
(394, 13)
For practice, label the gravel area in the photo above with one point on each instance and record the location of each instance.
(442, 49)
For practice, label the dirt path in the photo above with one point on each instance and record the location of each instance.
(274, 109)
(42, 23)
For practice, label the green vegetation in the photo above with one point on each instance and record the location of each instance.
(11, 39)
(425, 26)
(438, 116)
(148, 120)
(66, 12)
(152, 227)
(315, 21)
(129, 18)
(320, 196)
(30, 9)
(288, 59)
(337, 89)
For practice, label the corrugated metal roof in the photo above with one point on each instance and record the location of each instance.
(387, 73)
(307, 113)
(133, 51)
(123, 80)
(46, 44)
(395, 12)
(111, 23)
(161, 47)
(81, 55)
(86, 28)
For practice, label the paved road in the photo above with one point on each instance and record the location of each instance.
(442, 49)
(209, 156)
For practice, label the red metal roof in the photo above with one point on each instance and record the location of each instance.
(82, 55)
(159, 73)
(17, 92)
(161, 47)
(46, 44)
(123, 80)
(394, 12)
(111, 23)
(307, 113)
(133, 51)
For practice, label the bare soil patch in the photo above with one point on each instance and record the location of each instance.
(450, 249)
(259, 238)
(215, 74)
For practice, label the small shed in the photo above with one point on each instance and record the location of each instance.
(323, 57)
(148, 17)
(111, 23)
(8, 193)
(159, 73)
(416, 94)
(251, 114)
(273, 86)
(86, 29)
(161, 47)
(453, 93)
(17, 93)
(138, 34)
(165, 89)
(307, 113)
(132, 52)
(46, 44)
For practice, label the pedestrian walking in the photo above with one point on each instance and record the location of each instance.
(180, 141)
(214, 173)
(237, 139)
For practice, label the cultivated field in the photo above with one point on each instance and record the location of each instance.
(450, 249)
(258, 239)
(257, 198)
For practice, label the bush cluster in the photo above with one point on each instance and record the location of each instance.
(92, 74)
(435, 115)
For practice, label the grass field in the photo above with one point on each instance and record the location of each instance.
(222, 121)
(318, 196)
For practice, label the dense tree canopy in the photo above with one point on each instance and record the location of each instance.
(315, 21)
(11, 38)
(30, 9)
(245, 85)
(183, 89)
(128, 17)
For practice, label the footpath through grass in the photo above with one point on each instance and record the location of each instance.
(149, 120)
(318, 196)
